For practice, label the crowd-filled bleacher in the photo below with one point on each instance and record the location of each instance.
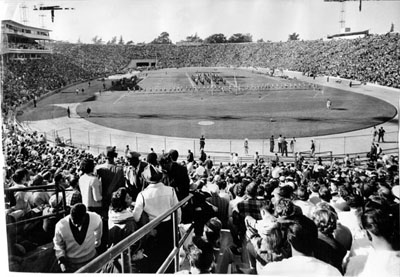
(305, 215)
(370, 59)
(348, 210)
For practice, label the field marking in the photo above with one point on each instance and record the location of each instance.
(265, 95)
(191, 81)
(119, 98)
(319, 92)
(232, 84)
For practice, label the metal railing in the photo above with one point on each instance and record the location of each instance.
(96, 143)
(57, 212)
(124, 245)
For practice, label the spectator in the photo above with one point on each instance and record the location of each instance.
(382, 260)
(302, 235)
(176, 174)
(90, 188)
(73, 197)
(328, 249)
(111, 177)
(202, 142)
(222, 205)
(155, 200)
(200, 261)
(269, 246)
(190, 157)
(76, 238)
(22, 207)
(133, 174)
(246, 146)
(203, 156)
(301, 201)
(121, 223)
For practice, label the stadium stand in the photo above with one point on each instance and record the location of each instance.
(344, 188)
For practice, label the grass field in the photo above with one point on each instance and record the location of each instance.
(252, 113)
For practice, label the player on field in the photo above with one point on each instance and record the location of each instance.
(328, 104)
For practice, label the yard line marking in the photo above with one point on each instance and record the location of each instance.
(191, 81)
(122, 96)
(265, 95)
(318, 92)
(232, 84)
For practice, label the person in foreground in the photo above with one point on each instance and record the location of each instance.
(382, 259)
(302, 235)
(76, 238)
(200, 261)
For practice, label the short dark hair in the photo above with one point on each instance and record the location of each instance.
(74, 180)
(174, 154)
(152, 158)
(378, 223)
(314, 187)
(251, 189)
(325, 194)
(285, 191)
(302, 234)
(20, 174)
(58, 177)
(354, 201)
(221, 184)
(87, 165)
(78, 212)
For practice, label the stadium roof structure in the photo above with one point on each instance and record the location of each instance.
(24, 26)
(21, 41)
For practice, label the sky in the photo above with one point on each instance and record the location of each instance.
(144, 20)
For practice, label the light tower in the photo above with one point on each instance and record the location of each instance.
(23, 13)
(342, 20)
(42, 16)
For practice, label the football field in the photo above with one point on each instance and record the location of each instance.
(249, 105)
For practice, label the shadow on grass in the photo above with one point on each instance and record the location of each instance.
(91, 98)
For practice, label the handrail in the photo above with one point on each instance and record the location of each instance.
(53, 187)
(97, 264)
(12, 189)
(175, 251)
(36, 218)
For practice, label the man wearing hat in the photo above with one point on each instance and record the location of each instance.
(133, 175)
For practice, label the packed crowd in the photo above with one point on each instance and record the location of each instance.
(30, 79)
(270, 209)
(371, 59)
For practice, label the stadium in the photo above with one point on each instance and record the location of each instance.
(221, 125)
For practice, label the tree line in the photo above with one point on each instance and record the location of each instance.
(164, 38)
